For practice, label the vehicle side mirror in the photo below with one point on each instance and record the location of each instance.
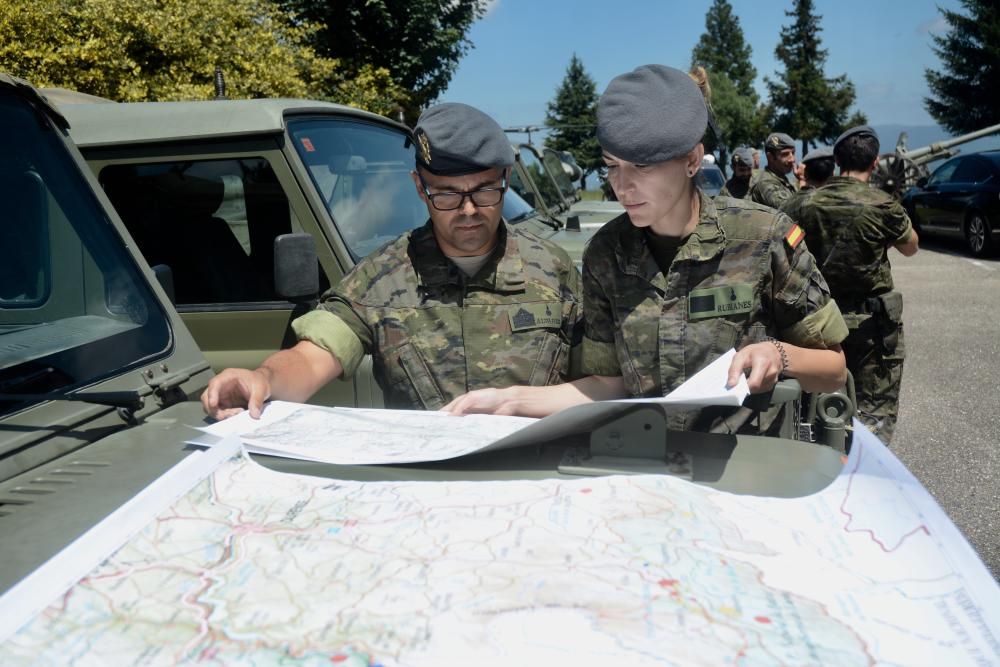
(296, 268)
(529, 198)
(165, 276)
(922, 182)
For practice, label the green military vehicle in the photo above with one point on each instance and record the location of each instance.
(206, 188)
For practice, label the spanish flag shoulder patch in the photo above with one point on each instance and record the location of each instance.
(794, 236)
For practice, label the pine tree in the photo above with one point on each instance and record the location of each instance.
(726, 56)
(572, 115)
(806, 104)
(722, 49)
(965, 94)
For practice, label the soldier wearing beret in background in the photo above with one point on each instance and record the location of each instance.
(850, 227)
(771, 186)
(815, 170)
(464, 302)
(739, 184)
(678, 279)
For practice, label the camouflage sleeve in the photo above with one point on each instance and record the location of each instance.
(804, 312)
(337, 328)
(898, 225)
(599, 357)
(575, 321)
(724, 192)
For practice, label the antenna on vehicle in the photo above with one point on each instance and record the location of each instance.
(220, 84)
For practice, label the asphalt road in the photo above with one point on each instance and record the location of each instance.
(948, 433)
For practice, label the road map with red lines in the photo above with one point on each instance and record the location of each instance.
(254, 566)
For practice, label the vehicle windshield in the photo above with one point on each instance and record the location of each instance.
(555, 166)
(74, 307)
(538, 174)
(515, 208)
(362, 171)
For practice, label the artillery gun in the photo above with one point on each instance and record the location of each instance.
(899, 171)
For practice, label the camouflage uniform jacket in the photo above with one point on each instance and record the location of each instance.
(434, 333)
(770, 189)
(735, 188)
(849, 227)
(735, 281)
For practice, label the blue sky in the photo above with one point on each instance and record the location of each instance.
(522, 49)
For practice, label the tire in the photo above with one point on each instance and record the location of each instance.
(978, 235)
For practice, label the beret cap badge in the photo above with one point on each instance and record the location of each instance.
(425, 147)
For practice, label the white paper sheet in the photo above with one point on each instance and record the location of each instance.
(349, 436)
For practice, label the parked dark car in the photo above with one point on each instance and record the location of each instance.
(961, 198)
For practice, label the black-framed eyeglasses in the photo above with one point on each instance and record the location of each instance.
(449, 201)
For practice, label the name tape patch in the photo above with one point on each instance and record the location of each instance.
(535, 316)
(720, 301)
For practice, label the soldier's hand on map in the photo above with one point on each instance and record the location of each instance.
(482, 401)
(765, 363)
(235, 389)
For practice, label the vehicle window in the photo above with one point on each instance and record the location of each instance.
(515, 208)
(74, 308)
(710, 180)
(211, 222)
(518, 185)
(971, 170)
(537, 173)
(362, 171)
(554, 165)
(943, 174)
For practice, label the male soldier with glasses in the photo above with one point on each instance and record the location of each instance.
(465, 302)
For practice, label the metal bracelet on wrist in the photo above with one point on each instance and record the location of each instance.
(781, 351)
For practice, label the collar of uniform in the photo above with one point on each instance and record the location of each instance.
(431, 265)
(508, 267)
(780, 177)
(705, 242)
(434, 269)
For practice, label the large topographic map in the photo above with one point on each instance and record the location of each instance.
(250, 566)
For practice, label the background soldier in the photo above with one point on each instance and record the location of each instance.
(816, 169)
(849, 228)
(464, 302)
(771, 187)
(742, 164)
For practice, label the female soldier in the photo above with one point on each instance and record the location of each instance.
(678, 279)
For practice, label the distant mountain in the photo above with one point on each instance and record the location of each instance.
(924, 135)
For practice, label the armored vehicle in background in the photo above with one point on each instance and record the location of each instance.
(900, 170)
(543, 169)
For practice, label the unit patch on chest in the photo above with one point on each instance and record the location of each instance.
(535, 316)
(720, 301)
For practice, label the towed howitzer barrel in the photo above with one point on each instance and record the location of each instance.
(939, 149)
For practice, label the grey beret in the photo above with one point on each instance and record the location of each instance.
(858, 130)
(455, 139)
(778, 140)
(743, 155)
(652, 114)
(818, 154)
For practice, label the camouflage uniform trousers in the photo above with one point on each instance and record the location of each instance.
(878, 375)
